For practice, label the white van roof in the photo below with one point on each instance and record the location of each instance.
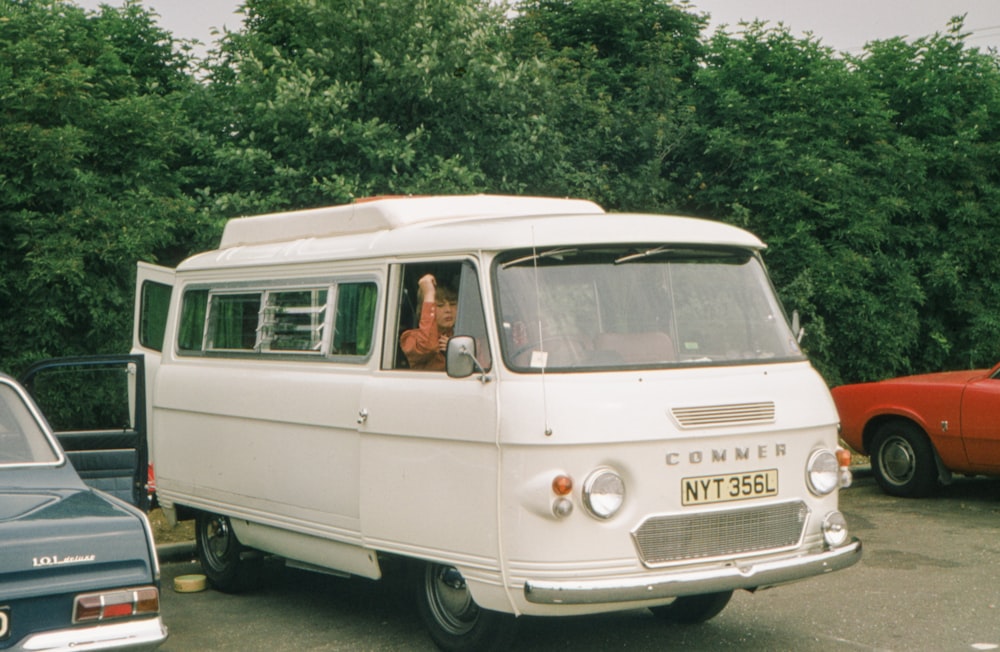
(447, 225)
(378, 214)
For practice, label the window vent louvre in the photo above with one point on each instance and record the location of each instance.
(737, 414)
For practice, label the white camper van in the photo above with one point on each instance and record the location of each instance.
(619, 416)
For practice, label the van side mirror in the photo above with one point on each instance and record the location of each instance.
(460, 358)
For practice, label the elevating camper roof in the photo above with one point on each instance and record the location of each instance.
(378, 214)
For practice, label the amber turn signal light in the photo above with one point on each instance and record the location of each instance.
(562, 485)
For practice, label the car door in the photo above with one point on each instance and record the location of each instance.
(96, 407)
(981, 423)
(99, 406)
(429, 456)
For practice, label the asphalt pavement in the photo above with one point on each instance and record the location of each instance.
(929, 580)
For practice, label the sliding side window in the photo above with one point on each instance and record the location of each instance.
(233, 322)
(293, 321)
(337, 320)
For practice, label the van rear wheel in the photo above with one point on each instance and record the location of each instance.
(229, 566)
(693, 609)
(453, 619)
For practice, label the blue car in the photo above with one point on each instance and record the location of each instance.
(78, 566)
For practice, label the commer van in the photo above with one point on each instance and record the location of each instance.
(623, 417)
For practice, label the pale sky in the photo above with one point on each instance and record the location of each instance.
(845, 25)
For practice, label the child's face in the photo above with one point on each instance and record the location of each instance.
(446, 311)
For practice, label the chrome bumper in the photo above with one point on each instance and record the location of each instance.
(145, 634)
(748, 575)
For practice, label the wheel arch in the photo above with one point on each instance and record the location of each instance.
(875, 423)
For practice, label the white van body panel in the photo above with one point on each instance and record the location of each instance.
(332, 462)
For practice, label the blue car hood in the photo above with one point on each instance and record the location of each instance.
(68, 540)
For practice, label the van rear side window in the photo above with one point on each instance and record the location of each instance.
(335, 320)
(153, 314)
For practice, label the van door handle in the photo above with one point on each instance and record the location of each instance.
(362, 416)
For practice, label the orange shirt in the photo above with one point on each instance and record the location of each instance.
(420, 345)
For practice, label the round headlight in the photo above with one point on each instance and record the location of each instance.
(823, 472)
(604, 493)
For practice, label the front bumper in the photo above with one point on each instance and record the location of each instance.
(747, 575)
(145, 634)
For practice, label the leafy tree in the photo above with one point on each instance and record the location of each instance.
(873, 178)
(944, 101)
(619, 100)
(91, 137)
(329, 101)
(792, 144)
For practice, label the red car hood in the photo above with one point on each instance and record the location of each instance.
(943, 377)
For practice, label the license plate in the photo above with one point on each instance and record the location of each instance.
(708, 489)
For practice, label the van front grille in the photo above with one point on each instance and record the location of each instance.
(687, 537)
(737, 414)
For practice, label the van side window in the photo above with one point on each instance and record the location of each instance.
(356, 306)
(471, 319)
(293, 321)
(192, 327)
(233, 321)
(335, 320)
(457, 285)
(154, 303)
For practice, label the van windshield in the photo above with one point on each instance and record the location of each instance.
(573, 309)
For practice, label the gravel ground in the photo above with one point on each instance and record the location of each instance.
(163, 533)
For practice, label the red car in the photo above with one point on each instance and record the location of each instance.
(920, 429)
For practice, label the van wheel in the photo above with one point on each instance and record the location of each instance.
(455, 622)
(228, 564)
(693, 609)
(903, 460)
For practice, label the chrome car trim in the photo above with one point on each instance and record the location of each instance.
(42, 424)
(750, 575)
(144, 634)
(739, 414)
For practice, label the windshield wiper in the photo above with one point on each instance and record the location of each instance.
(544, 254)
(641, 254)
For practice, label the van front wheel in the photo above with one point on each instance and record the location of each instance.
(455, 622)
(229, 565)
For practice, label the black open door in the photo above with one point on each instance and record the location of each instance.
(96, 407)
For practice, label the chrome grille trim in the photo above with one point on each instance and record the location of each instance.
(736, 414)
(678, 538)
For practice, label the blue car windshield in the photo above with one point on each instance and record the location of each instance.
(22, 438)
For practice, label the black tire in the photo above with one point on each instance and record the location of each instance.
(455, 622)
(228, 565)
(903, 460)
(693, 609)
